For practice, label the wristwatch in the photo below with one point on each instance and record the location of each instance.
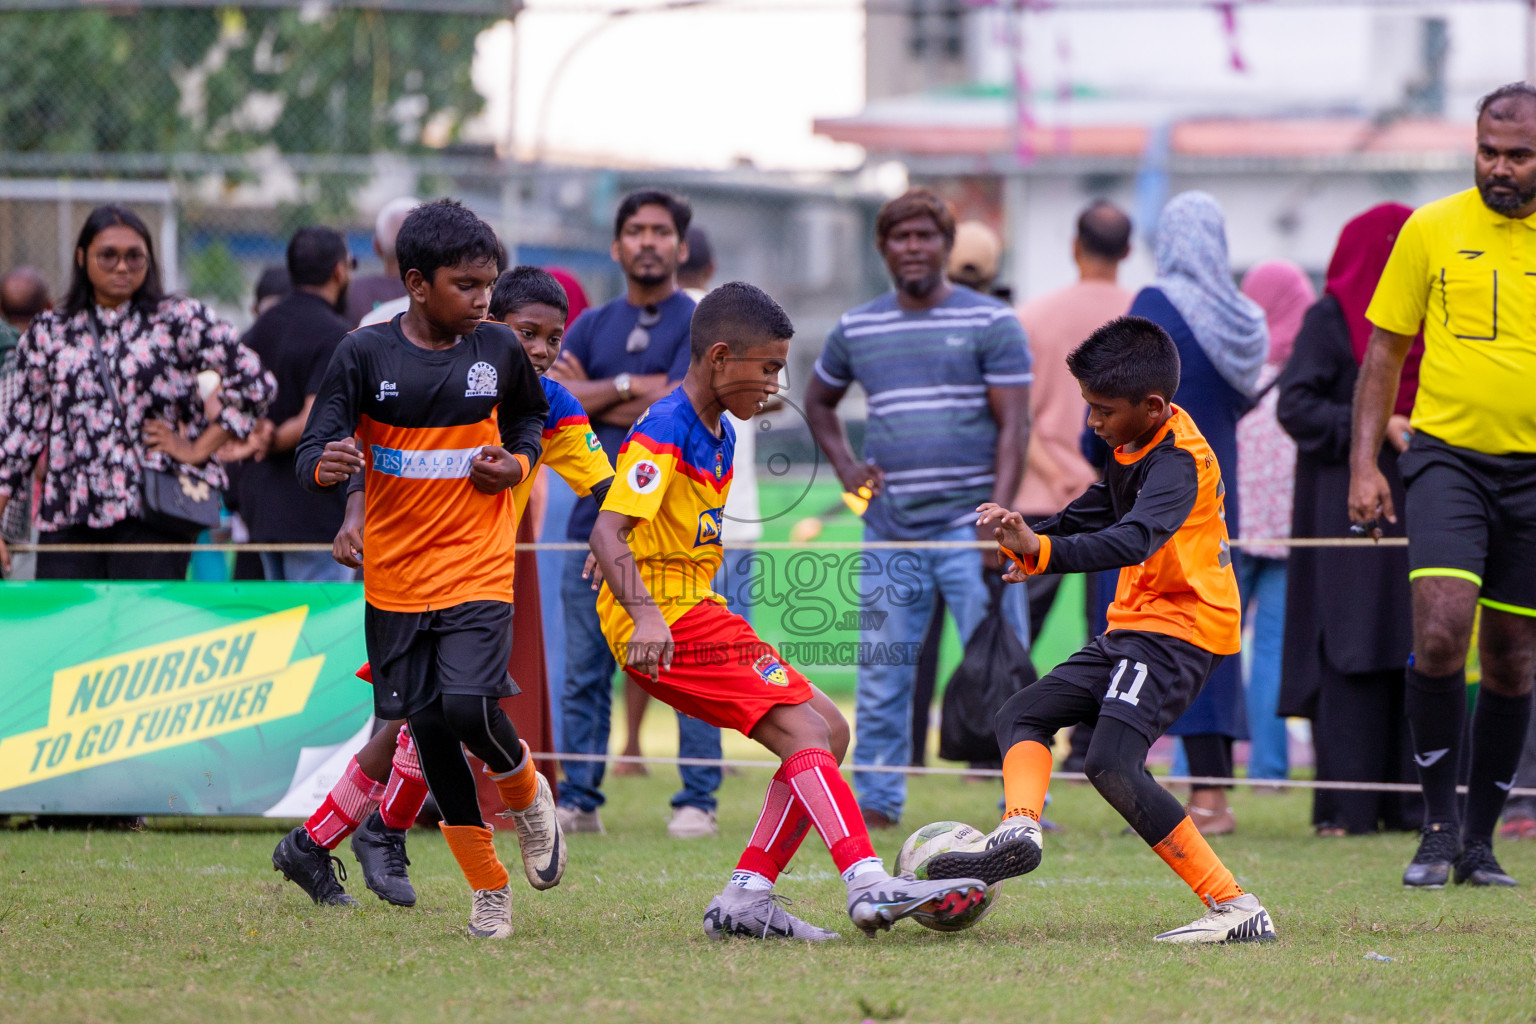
(621, 385)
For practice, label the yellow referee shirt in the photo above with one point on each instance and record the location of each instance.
(1469, 275)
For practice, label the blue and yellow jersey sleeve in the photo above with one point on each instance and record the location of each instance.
(570, 447)
(673, 476)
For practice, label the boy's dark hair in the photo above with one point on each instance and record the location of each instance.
(1104, 230)
(82, 293)
(313, 253)
(1130, 357)
(915, 202)
(524, 286)
(1491, 103)
(737, 314)
(677, 206)
(445, 234)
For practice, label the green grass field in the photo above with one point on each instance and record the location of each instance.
(194, 925)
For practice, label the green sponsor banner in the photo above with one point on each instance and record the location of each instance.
(178, 698)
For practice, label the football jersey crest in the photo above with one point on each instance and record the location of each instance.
(644, 476)
(719, 465)
(481, 381)
(771, 671)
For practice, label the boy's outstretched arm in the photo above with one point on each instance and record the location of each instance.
(1164, 503)
(650, 646)
(326, 453)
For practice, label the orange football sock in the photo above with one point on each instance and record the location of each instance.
(1186, 851)
(1026, 777)
(473, 848)
(519, 786)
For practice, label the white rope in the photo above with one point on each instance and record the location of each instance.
(994, 773)
(766, 545)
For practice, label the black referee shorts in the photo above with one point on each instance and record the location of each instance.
(1472, 516)
(418, 656)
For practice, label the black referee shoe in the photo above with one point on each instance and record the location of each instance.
(1439, 847)
(1477, 866)
(380, 852)
(312, 868)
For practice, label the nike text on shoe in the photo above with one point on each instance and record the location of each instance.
(1240, 919)
(380, 851)
(877, 900)
(1010, 850)
(1431, 865)
(312, 868)
(1477, 866)
(574, 819)
(490, 913)
(757, 914)
(540, 838)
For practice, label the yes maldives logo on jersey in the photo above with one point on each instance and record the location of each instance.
(482, 381)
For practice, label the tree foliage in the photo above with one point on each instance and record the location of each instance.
(229, 80)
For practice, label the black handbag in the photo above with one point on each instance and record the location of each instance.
(171, 500)
(994, 667)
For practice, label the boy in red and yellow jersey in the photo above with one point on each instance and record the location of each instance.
(450, 413)
(657, 541)
(1158, 517)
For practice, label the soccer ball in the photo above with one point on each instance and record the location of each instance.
(930, 841)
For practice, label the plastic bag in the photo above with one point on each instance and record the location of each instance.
(994, 668)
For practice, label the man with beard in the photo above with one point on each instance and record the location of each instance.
(295, 339)
(947, 375)
(618, 359)
(1461, 266)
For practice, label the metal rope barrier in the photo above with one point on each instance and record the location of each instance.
(995, 773)
(768, 545)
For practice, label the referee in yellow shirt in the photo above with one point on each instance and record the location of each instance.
(1464, 266)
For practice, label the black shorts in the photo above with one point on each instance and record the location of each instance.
(1473, 516)
(1146, 680)
(418, 656)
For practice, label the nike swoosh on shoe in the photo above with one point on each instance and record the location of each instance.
(547, 874)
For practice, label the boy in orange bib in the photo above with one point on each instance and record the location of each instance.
(1158, 517)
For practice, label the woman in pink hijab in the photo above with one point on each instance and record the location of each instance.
(1347, 616)
(1266, 468)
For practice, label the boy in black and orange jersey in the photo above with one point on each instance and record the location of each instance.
(450, 413)
(657, 541)
(1158, 517)
(382, 789)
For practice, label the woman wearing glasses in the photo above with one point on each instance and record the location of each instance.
(110, 394)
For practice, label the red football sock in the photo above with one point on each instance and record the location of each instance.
(781, 828)
(351, 800)
(407, 789)
(827, 800)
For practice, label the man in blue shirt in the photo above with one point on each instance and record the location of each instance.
(617, 360)
(947, 372)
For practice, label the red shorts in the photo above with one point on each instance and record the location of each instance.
(722, 673)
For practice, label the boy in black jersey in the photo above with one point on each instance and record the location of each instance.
(450, 413)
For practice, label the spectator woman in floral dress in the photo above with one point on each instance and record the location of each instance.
(117, 326)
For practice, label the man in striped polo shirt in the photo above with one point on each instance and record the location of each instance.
(946, 371)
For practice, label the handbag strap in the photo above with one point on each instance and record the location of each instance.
(99, 360)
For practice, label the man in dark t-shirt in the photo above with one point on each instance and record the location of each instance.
(618, 359)
(295, 340)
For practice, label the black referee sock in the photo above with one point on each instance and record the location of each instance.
(1498, 735)
(1436, 707)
